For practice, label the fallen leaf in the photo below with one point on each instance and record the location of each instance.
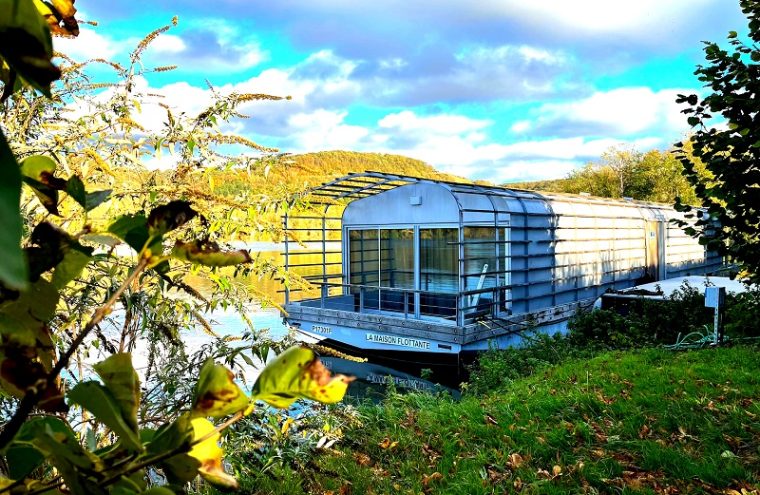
(644, 431)
(426, 480)
(515, 460)
(386, 443)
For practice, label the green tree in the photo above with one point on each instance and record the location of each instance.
(72, 189)
(729, 150)
(651, 176)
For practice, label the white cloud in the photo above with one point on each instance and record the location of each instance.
(446, 125)
(324, 130)
(520, 126)
(528, 170)
(618, 112)
(88, 45)
(598, 16)
(168, 44)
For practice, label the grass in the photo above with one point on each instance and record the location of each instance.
(642, 421)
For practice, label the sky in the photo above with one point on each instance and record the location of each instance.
(501, 90)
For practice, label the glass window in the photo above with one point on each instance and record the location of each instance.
(439, 271)
(397, 269)
(364, 259)
(397, 258)
(480, 267)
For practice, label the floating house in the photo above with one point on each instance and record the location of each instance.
(412, 265)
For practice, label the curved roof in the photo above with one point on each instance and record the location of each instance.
(479, 198)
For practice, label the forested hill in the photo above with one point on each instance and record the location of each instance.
(552, 185)
(295, 173)
(325, 165)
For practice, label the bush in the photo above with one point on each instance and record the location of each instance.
(497, 367)
(646, 323)
(742, 315)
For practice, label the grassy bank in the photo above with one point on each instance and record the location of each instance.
(643, 420)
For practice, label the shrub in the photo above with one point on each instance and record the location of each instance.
(742, 315)
(497, 367)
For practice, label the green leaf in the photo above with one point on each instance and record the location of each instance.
(216, 394)
(132, 229)
(27, 352)
(38, 173)
(34, 307)
(13, 269)
(208, 254)
(170, 216)
(209, 454)
(56, 441)
(26, 45)
(181, 468)
(22, 460)
(53, 244)
(96, 198)
(122, 381)
(67, 270)
(75, 189)
(298, 373)
(100, 402)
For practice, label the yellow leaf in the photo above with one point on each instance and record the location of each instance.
(557, 470)
(286, 425)
(209, 454)
(387, 443)
(216, 394)
(298, 373)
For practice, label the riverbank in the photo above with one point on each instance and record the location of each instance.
(650, 420)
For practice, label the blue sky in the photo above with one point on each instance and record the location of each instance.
(502, 90)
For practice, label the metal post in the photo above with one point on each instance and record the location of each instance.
(285, 230)
(714, 298)
(717, 330)
(324, 250)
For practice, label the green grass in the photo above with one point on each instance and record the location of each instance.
(644, 421)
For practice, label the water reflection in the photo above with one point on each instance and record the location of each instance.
(373, 380)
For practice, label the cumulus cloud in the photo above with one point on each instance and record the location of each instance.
(619, 112)
(214, 49)
(90, 44)
(324, 130)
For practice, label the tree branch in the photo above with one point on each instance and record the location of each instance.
(32, 397)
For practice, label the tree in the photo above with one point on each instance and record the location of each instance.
(730, 150)
(73, 188)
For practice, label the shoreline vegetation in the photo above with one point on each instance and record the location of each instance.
(603, 409)
(636, 421)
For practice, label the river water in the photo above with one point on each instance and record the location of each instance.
(372, 379)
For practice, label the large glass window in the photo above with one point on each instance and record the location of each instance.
(397, 269)
(365, 264)
(439, 271)
(480, 267)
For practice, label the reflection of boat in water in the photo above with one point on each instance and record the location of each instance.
(416, 266)
(373, 380)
